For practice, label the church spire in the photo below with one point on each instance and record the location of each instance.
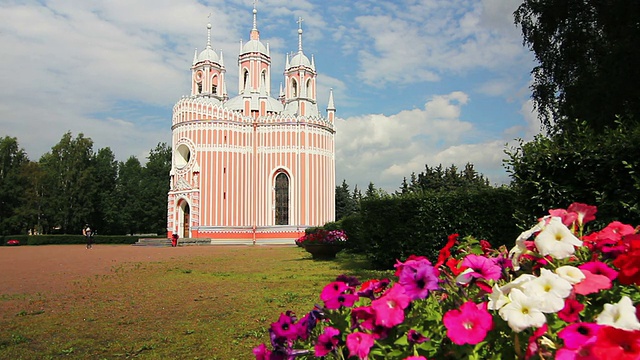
(300, 20)
(255, 34)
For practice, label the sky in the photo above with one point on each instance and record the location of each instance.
(416, 82)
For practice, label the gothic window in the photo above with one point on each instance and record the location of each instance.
(282, 199)
(245, 79)
(309, 95)
(199, 88)
(294, 88)
(214, 85)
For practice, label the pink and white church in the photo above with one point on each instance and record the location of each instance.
(252, 167)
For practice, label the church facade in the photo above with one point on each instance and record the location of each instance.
(254, 166)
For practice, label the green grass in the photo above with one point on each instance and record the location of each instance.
(201, 307)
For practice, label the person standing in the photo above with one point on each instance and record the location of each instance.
(88, 234)
(174, 240)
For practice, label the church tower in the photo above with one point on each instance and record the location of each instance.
(252, 167)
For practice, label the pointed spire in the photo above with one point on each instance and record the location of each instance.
(287, 65)
(255, 34)
(255, 16)
(221, 58)
(313, 62)
(281, 90)
(195, 56)
(268, 51)
(300, 20)
(209, 36)
(331, 105)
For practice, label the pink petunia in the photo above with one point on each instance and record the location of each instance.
(599, 268)
(333, 289)
(567, 217)
(363, 317)
(389, 308)
(585, 213)
(327, 341)
(261, 352)
(359, 344)
(468, 325)
(415, 358)
(483, 267)
(592, 283)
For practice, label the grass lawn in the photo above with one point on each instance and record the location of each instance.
(217, 306)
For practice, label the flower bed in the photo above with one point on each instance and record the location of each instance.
(557, 294)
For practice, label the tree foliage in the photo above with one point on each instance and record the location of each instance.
(439, 179)
(588, 57)
(72, 185)
(599, 168)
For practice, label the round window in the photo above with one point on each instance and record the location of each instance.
(183, 155)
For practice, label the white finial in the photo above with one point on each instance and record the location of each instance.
(255, 16)
(209, 36)
(300, 20)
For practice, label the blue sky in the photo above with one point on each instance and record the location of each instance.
(416, 82)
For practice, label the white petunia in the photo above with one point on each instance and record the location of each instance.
(551, 289)
(522, 312)
(520, 248)
(556, 240)
(621, 315)
(497, 299)
(570, 273)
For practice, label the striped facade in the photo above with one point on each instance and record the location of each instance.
(251, 167)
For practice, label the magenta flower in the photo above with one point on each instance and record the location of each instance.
(419, 279)
(389, 308)
(363, 318)
(327, 341)
(359, 344)
(599, 268)
(284, 327)
(468, 325)
(333, 289)
(578, 334)
(483, 268)
(346, 300)
(414, 337)
(261, 352)
(415, 358)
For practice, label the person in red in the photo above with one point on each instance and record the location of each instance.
(174, 240)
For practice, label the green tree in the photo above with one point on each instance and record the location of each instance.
(69, 184)
(345, 203)
(128, 196)
(588, 57)
(105, 215)
(155, 187)
(13, 186)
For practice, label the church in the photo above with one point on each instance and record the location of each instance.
(253, 167)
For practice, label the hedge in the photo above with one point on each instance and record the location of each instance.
(394, 228)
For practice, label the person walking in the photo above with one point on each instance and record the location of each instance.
(88, 234)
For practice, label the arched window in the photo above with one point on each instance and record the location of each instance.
(294, 88)
(263, 79)
(309, 94)
(200, 88)
(245, 79)
(282, 199)
(214, 85)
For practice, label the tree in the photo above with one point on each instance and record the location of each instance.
(105, 216)
(13, 185)
(128, 190)
(155, 187)
(345, 203)
(588, 58)
(69, 184)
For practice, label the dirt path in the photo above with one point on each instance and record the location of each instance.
(52, 268)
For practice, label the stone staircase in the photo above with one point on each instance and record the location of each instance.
(157, 242)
